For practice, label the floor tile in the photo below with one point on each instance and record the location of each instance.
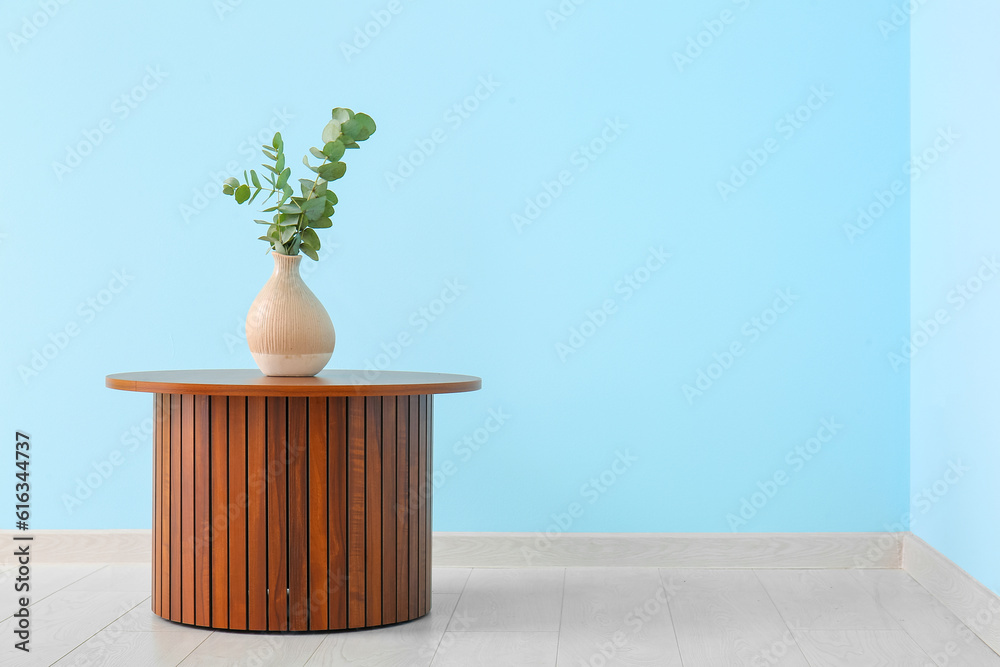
(510, 600)
(497, 649)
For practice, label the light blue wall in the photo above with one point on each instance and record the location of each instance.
(955, 428)
(603, 100)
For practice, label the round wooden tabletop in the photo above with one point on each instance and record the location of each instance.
(247, 382)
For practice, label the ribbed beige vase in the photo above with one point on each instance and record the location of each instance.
(288, 330)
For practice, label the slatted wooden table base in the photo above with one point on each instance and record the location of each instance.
(291, 512)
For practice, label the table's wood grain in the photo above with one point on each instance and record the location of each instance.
(291, 504)
(251, 382)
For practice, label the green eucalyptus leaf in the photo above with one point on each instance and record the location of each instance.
(269, 154)
(293, 249)
(327, 208)
(262, 222)
(283, 178)
(270, 169)
(333, 171)
(331, 196)
(310, 238)
(310, 253)
(287, 233)
(331, 131)
(367, 122)
(342, 115)
(314, 208)
(253, 177)
(317, 153)
(242, 194)
(352, 144)
(333, 150)
(231, 182)
(276, 141)
(291, 209)
(279, 248)
(321, 223)
(352, 127)
(280, 164)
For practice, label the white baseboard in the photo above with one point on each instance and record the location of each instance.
(974, 604)
(721, 550)
(726, 550)
(81, 546)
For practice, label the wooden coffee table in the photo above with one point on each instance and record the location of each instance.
(284, 504)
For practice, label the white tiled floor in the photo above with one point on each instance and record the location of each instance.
(94, 614)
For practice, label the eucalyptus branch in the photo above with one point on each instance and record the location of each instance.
(296, 219)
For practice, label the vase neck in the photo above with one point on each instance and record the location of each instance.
(286, 266)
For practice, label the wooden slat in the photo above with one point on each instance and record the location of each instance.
(298, 518)
(319, 579)
(187, 509)
(402, 509)
(202, 513)
(164, 485)
(157, 499)
(424, 544)
(277, 507)
(429, 501)
(413, 507)
(356, 511)
(388, 441)
(337, 510)
(373, 509)
(219, 409)
(175, 507)
(257, 513)
(237, 466)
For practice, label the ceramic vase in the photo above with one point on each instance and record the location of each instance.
(288, 330)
